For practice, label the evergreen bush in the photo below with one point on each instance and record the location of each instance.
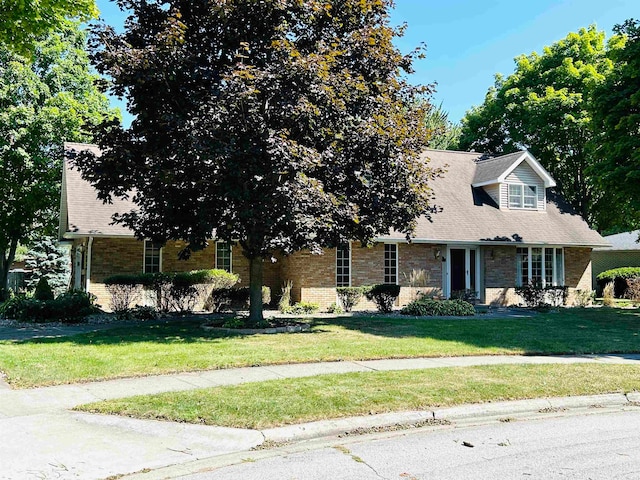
(384, 296)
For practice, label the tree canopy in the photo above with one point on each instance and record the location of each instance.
(616, 142)
(280, 125)
(23, 23)
(445, 135)
(544, 107)
(45, 99)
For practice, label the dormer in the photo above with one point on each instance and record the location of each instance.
(515, 181)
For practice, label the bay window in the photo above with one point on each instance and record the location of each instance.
(540, 266)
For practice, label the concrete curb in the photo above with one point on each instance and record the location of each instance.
(305, 436)
(538, 406)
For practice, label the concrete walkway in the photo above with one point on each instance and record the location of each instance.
(49, 441)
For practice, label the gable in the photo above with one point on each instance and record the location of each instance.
(523, 174)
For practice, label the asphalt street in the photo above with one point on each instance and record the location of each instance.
(592, 446)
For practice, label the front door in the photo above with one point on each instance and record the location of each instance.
(463, 270)
(458, 269)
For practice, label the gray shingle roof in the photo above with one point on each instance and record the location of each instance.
(623, 241)
(469, 215)
(490, 169)
(86, 215)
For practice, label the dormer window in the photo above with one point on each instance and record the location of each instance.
(523, 196)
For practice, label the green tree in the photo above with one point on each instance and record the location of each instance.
(616, 142)
(280, 125)
(49, 260)
(445, 135)
(23, 23)
(45, 99)
(544, 106)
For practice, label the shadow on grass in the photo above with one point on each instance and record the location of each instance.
(602, 330)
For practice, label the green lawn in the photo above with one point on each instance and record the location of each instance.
(184, 346)
(290, 401)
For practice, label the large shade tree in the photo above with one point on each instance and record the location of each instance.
(616, 143)
(279, 125)
(544, 106)
(46, 99)
(24, 22)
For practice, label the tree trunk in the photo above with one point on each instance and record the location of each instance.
(255, 291)
(5, 265)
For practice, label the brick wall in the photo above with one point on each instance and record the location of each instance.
(202, 259)
(577, 270)
(499, 271)
(313, 276)
(110, 256)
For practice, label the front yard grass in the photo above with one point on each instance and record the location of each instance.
(185, 346)
(281, 402)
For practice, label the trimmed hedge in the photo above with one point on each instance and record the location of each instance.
(383, 295)
(622, 272)
(427, 307)
(179, 292)
(619, 277)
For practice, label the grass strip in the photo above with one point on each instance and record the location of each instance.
(185, 346)
(283, 402)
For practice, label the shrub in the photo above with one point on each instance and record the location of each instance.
(350, 296)
(234, 298)
(335, 308)
(74, 305)
(384, 296)
(302, 308)
(537, 296)
(532, 293)
(122, 296)
(285, 296)
(217, 278)
(608, 295)
(634, 290)
(68, 307)
(43, 290)
(620, 277)
(583, 298)
(143, 312)
(441, 308)
(467, 295)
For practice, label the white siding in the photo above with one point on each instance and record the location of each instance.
(494, 192)
(526, 175)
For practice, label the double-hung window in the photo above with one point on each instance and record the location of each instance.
(523, 196)
(343, 265)
(223, 256)
(391, 263)
(152, 257)
(540, 266)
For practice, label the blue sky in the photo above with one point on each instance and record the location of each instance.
(469, 41)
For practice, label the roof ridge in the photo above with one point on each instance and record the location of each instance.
(452, 151)
(501, 157)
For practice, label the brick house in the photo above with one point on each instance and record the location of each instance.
(498, 226)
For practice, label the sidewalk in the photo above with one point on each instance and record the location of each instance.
(49, 441)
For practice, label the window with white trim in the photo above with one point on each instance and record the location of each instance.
(343, 265)
(540, 266)
(523, 196)
(391, 263)
(152, 257)
(223, 256)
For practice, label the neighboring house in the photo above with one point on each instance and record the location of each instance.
(499, 227)
(624, 252)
